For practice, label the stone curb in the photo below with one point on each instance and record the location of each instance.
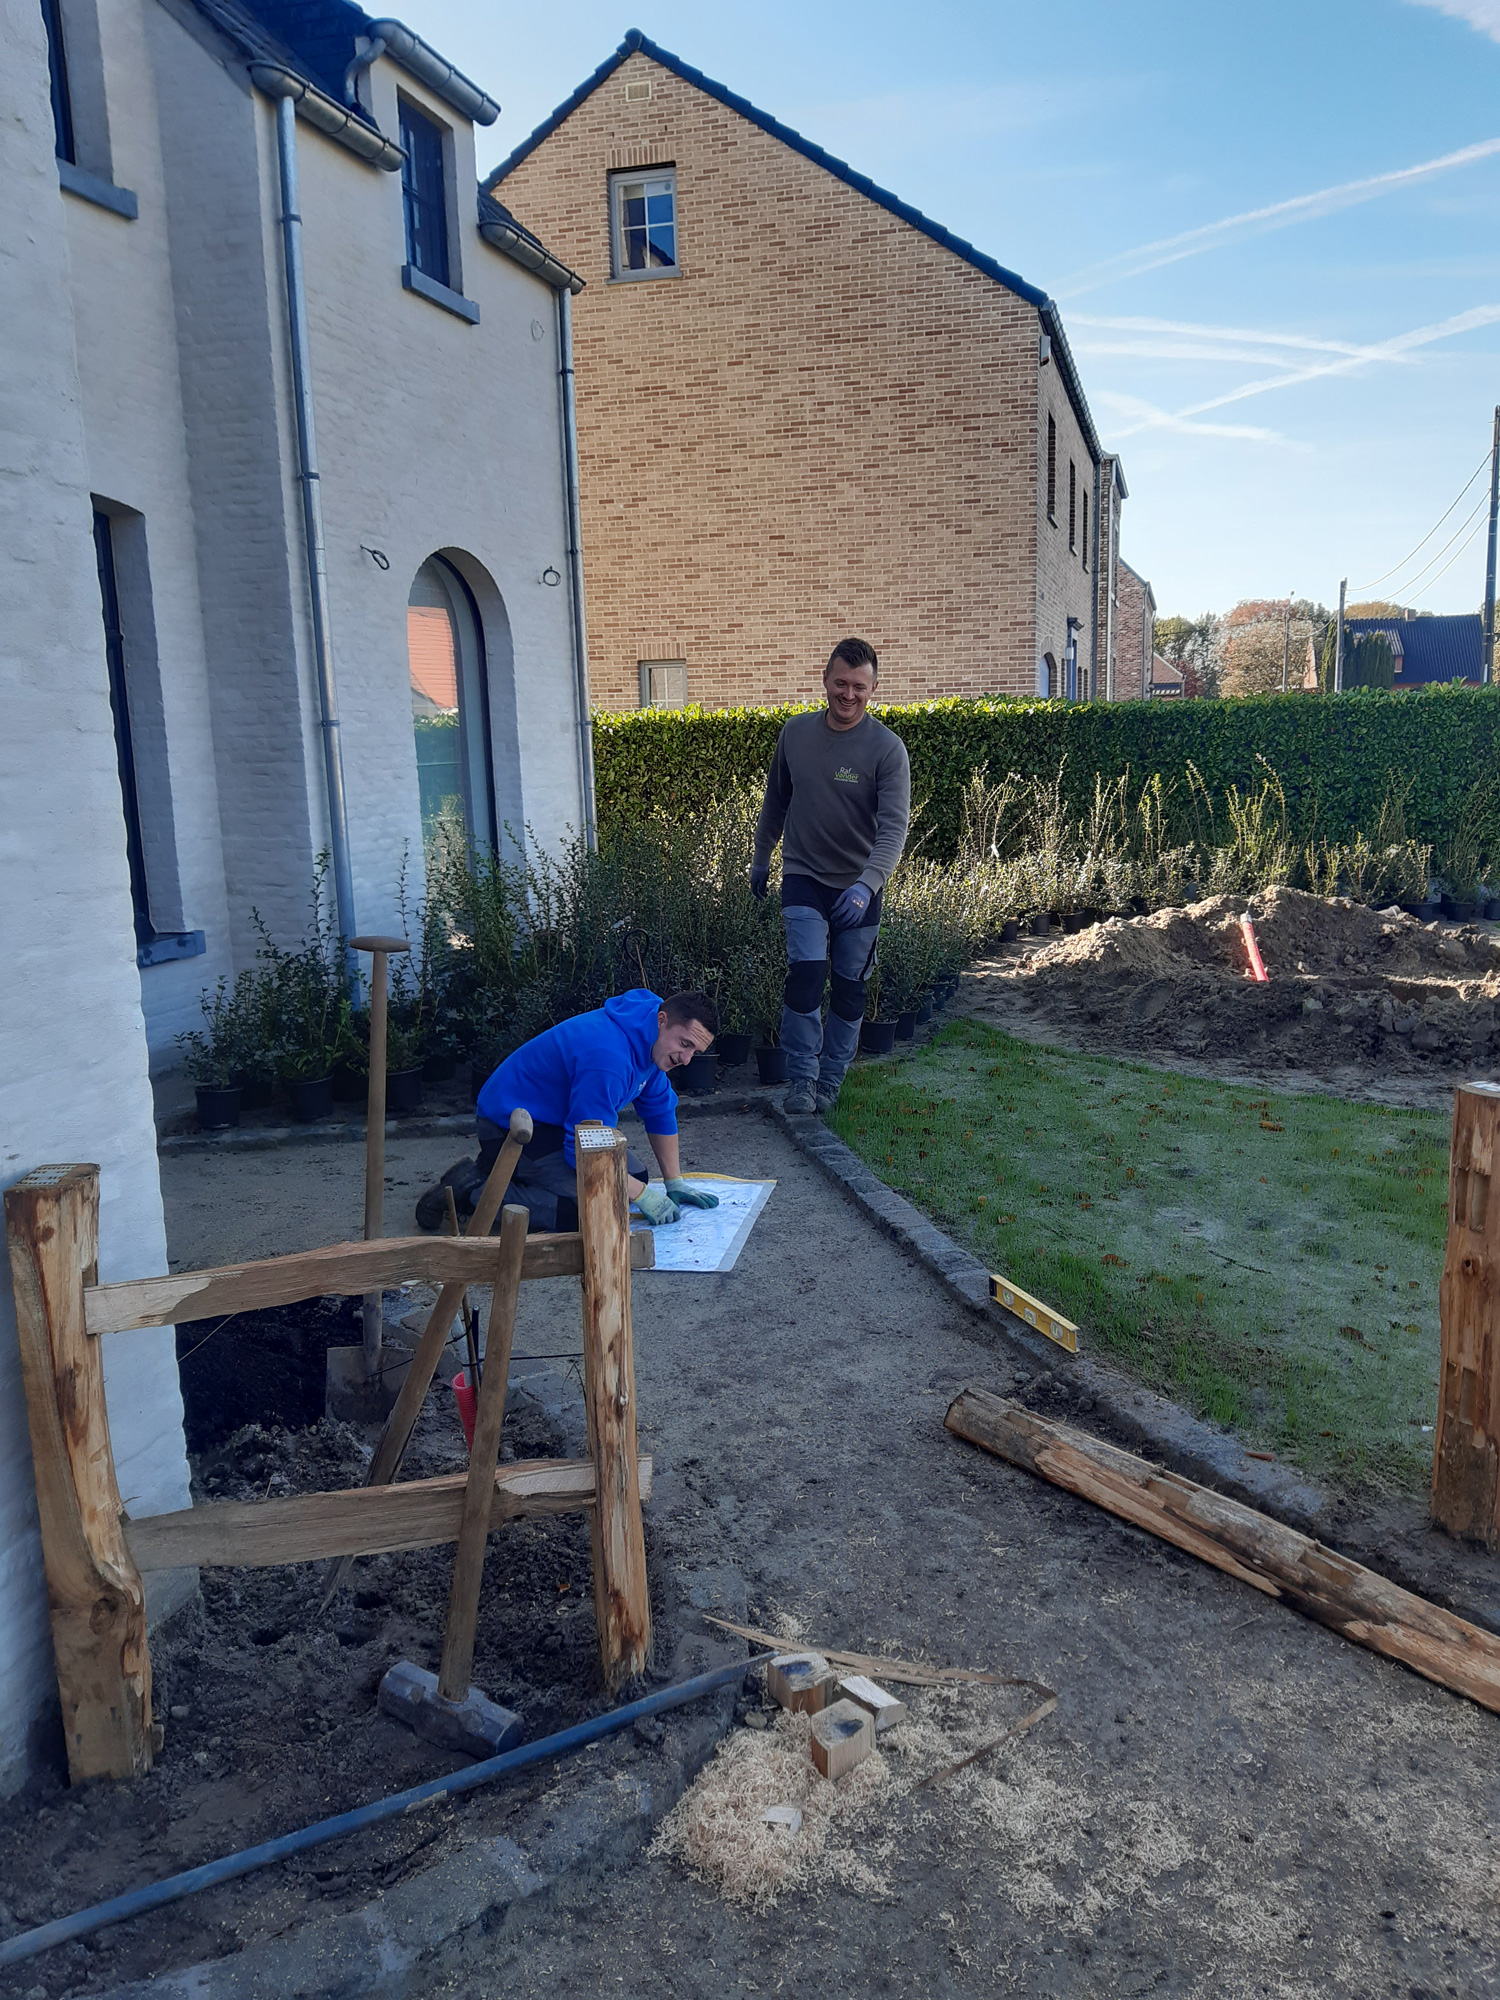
(385, 1947)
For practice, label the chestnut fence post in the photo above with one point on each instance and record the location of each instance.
(1466, 1450)
(622, 1598)
(94, 1590)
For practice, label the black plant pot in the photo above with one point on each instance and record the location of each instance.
(1139, 907)
(1041, 924)
(439, 1068)
(701, 1076)
(1492, 910)
(1010, 930)
(403, 1090)
(924, 1010)
(311, 1099)
(1073, 922)
(771, 1063)
(732, 1050)
(877, 1038)
(480, 1071)
(350, 1086)
(256, 1092)
(218, 1106)
(906, 1025)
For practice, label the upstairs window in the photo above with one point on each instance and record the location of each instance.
(1085, 527)
(62, 97)
(1052, 470)
(119, 702)
(424, 194)
(1072, 506)
(644, 225)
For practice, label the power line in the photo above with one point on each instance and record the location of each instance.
(1481, 507)
(1453, 558)
(1359, 588)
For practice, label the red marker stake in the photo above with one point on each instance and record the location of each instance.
(1257, 968)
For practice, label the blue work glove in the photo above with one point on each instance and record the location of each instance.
(656, 1205)
(849, 910)
(686, 1197)
(760, 881)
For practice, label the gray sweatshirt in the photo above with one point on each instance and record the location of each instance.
(843, 797)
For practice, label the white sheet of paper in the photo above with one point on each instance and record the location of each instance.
(710, 1239)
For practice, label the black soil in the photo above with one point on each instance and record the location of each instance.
(269, 1707)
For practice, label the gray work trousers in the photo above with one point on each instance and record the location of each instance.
(819, 1051)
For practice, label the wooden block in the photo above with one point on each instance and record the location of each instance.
(802, 1682)
(842, 1736)
(1466, 1455)
(884, 1709)
(785, 1819)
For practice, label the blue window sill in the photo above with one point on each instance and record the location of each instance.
(163, 946)
(439, 295)
(103, 194)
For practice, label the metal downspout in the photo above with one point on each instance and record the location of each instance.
(575, 566)
(312, 515)
(1113, 555)
(1094, 620)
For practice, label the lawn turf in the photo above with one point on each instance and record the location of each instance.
(1271, 1261)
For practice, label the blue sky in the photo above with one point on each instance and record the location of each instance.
(1296, 398)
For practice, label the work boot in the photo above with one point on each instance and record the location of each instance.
(465, 1180)
(827, 1096)
(800, 1100)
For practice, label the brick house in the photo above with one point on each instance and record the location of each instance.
(167, 620)
(1135, 638)
(804, 409)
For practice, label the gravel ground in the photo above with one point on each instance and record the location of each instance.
(1227, 1798)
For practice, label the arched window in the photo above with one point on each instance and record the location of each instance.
(1046, 676)
(450, 703)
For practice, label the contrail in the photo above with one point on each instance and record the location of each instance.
(1257, 221)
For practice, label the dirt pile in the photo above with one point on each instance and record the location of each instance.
(1348, 986)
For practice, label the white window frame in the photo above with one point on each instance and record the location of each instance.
(618, 182)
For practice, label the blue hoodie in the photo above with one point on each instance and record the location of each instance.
(589, 1067)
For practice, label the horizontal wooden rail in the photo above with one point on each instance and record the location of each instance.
(359, 1521)
(342, 1269)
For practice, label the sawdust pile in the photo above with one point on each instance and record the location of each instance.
(852, 1829)
(1347, 984)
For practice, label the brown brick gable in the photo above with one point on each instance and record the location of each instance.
(828, 422)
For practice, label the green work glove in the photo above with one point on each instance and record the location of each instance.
(656, 1205)
(686, 1197)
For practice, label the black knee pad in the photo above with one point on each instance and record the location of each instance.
(848, 1000)
(804, 984)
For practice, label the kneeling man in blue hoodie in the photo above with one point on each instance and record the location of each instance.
(592, 1067)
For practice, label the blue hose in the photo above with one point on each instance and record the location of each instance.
(14, 1951)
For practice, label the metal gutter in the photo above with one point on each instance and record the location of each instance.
(525, 250)
(423, 62)
(575, 565)
(336, 121)
(312, 513)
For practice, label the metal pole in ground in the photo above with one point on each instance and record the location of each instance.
(1338, 646)
(379, 949)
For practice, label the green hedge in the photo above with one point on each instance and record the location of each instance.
(1332, 753)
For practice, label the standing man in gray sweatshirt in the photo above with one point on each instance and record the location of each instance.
(839, 798)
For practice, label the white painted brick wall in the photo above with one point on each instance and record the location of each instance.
(73, 1084)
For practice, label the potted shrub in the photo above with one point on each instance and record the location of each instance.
(877, 1034)
(307, 1072)
(403, 1069)
(214, 1054)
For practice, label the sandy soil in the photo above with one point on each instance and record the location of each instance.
(1227, 1800)
(1369, 1004)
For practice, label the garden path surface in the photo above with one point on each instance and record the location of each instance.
(1370, 1004)
(1227, 1798)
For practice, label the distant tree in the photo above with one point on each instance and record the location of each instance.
(1370, 662)
(1377, 607)
(1192, 646)
(1257, 644)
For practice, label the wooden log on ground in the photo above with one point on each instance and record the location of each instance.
(344, 1270)
(357, 1521)
(489, 1415)
(1466, 1447)
(622, 1597)
(94, 1590)
(1275, 1559)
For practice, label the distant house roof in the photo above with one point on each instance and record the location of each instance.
(1165, 678)
(1429, 649)
(635, 42)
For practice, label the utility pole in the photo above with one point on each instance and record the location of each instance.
(1487, 668)
(1338, 644)
(1286, 642)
